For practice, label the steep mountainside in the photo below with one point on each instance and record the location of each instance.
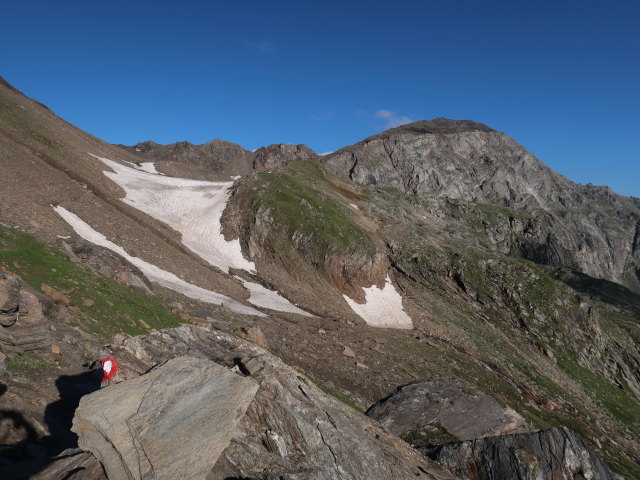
(361, 284)
(587, 228)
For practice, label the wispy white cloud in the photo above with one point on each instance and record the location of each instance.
(263, 45)
(392, 119)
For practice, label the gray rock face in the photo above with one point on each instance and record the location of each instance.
(23, 325)
(584, 227)
(291, 429)
(558, 453)
(441, 408)
(171, 423)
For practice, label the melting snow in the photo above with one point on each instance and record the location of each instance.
(148, 167)
(265, 298)
(382, 307)
(192, 207)
(153, 273)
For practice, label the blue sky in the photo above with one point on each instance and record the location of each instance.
(562, 78)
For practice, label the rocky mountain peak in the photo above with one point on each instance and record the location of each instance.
(440, 125)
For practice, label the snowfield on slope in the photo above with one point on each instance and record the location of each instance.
(265, 298)
(193, 208)
(153, 273)
(382, 307)
(148, 167)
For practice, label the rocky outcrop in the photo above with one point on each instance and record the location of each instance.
(23, 325)
(585, 227)
(223, 157)
(107, 262)
(290, 429)
(216, 155)
(438, 409)
(172, 422)
(558, 453)
(277, 155)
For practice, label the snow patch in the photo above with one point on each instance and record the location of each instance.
(265, 298)
(382, 307)
(148, 167)
(153, 273)
(192, 207)
(354, 206)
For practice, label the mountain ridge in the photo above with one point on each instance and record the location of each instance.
(530, 335)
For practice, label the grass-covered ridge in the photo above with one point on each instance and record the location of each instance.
(99, 305)
(303, 212)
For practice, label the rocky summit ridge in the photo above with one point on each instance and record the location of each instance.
(481, 309)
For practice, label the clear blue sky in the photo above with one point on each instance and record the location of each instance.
(561, 77)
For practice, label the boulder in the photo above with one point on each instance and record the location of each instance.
(171, 423)
(438, 409)
(290, 429)
(556, 453)
(23, 325)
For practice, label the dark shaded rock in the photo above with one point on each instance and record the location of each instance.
(556, 453)
(434, 409)
(72, 464)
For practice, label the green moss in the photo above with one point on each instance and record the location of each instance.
(28, 365)
(115, 308)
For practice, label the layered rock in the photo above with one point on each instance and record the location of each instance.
(290, 428)
(173, 422)
(584, 227)
(23, 325)
(437, 409)
(558, 453)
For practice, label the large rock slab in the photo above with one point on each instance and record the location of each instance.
(171, 423)
(558, 453)
(438, 409)
(291, 428)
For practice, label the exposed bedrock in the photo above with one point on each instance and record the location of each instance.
(587, 227)
(437, 409)
(267, 420)
(558, 453)
(23, 325)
